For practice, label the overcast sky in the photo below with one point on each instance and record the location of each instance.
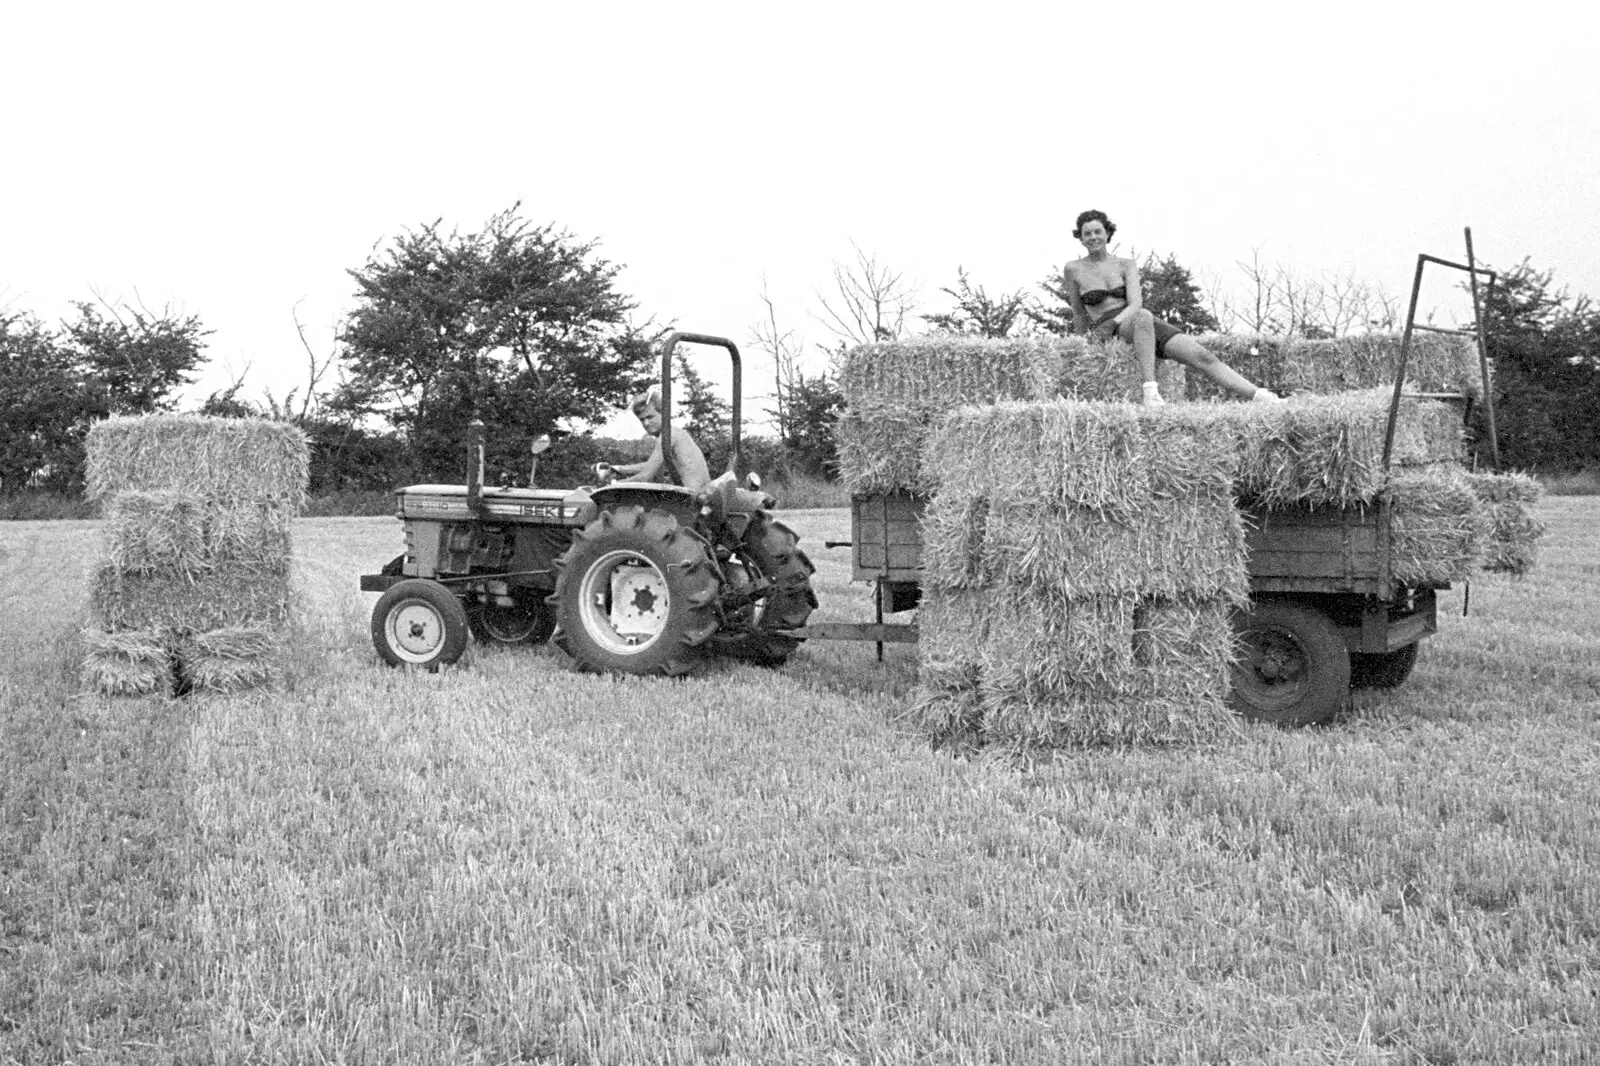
(234, 161)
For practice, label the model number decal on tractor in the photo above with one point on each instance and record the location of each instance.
(532, 510)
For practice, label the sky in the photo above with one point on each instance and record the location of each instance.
(236, 161)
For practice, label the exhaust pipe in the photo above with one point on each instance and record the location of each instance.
(474, 465)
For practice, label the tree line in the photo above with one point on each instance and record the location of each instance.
(525, 328)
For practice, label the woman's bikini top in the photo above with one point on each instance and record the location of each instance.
(1096, 297)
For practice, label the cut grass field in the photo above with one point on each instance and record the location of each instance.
(513, 862)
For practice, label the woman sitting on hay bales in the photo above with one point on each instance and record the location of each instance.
(1107, 302)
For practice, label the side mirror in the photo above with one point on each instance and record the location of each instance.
(541, 444)
(752, 481)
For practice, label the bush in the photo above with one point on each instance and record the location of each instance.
(1582, 483)
(45, 507)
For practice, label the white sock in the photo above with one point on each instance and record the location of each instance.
(1152, 394)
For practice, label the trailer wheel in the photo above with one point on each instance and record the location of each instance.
(637, 594)
(1293, 666)
(419, 623)
(1388, 670)
(529, 621)
(775, 551)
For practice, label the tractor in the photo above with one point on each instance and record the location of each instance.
(628, 577)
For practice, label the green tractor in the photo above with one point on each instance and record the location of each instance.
(631, 578)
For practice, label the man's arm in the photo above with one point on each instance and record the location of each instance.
(645, 471)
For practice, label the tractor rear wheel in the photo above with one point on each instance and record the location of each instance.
(419, 623)
(1293, 666)
(528, 621)
(775, 551)
(637, 594)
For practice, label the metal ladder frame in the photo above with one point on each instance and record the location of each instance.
(1473, 271)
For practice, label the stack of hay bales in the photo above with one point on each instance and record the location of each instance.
(193, 589)
(1438, 362)
(894, 392)
(1080, 562)
(1082, 555)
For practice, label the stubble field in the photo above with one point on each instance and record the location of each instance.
(513, 862)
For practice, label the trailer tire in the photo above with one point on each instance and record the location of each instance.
(1387, 670)
(637, 594)
(1293, 667)
(419, 622)
(530, 621)
(775, 551)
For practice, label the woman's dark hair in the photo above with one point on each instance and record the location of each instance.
(1095, 216)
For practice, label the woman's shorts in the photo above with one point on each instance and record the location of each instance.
(1105, 329)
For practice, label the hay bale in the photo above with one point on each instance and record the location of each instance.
(897, 391)
(149, 532)
(1062, 452)
(230, 658)
(1079, 369)
(1172, 548)
(1087, 498)
(1512, 524)
(880, 447)
(1329, 449)
(129, 662)
(1034, 669)
(215, 458)
(176, 532)
(946, 371)
(1437, 363)
(226, 595)
(1438, 528)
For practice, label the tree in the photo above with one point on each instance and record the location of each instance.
(815, 404)
(1283, 301)
(516, 324)
(976, 313)
(111, 359)
(42, 403)
(706, 415)
(134, 359)
(807, 405)
(869, 302)
(1544, 344)
(1171, 294)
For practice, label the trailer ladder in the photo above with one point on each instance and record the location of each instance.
(1476, 332)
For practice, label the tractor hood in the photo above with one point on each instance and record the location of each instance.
(543, 507)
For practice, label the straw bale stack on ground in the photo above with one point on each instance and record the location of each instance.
(894, 392)
(193, 588)
(1437, 363)
(1080, 560)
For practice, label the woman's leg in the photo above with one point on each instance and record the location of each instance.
(1139, 329)
(1190, 352)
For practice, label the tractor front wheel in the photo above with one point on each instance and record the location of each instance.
(637, 594)
(419, 623)
(1293, 666)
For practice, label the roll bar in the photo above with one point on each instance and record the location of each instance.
(667, 345)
